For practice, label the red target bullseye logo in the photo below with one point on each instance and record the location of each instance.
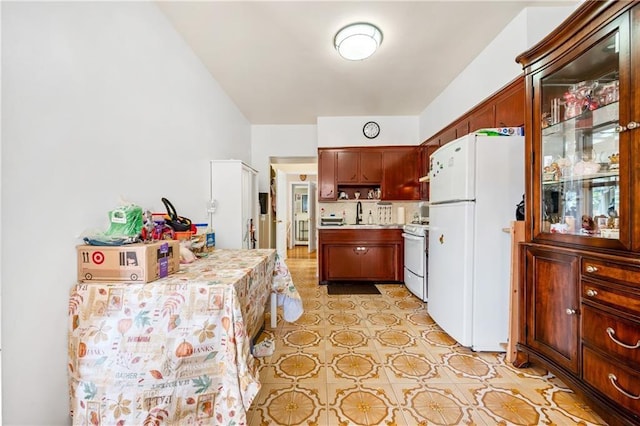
(97, 257)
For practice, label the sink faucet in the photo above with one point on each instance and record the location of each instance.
(358, 213)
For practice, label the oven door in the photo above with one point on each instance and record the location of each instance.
(415, 253)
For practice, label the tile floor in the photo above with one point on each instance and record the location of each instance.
(381, 360)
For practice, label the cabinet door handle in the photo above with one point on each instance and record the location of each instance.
(591, 268)
(592, 293)
(611, 332)
(630, 126)
(613, 379)
(570, 311)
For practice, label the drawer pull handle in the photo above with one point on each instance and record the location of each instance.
(611, 332)
(592, 293)
(591, 268)
(570, 311)
(613, 379)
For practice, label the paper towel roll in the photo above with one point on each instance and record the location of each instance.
(400, 216)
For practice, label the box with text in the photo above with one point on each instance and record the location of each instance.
(131, 262)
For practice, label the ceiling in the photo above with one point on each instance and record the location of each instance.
(276, 59)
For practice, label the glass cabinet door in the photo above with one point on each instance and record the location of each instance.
(580, 176)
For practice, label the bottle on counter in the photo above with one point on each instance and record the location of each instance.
(370, 218)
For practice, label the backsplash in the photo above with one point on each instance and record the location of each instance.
(349, 208)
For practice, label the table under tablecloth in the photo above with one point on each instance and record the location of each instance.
(176, 350)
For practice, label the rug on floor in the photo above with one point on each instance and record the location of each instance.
(352, 288)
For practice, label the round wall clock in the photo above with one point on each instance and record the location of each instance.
(371, 129)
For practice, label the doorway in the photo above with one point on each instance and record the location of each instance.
(299, 214)
(294, 195)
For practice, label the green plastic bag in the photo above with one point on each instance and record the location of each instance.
(125, 221)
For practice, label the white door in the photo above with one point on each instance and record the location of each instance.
(452, 171)
(450, 268)
(281, 214)
(311, 206)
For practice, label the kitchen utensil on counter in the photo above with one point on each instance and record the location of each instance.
(330, 221)
(384, 212)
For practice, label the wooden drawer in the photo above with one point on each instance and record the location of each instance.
(620, 384)
(608, 271)
(613, 335)
(611, 296)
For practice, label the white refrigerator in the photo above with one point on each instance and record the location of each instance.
(475, 185)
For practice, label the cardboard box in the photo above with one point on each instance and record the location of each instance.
(132, 262)
(502, 131)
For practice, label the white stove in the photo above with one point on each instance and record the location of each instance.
(416, 228)
(416, 251)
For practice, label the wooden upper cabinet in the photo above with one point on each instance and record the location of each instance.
(482, 119)
(400, 181)
(371, 166)
(348, 163)
(359, 166)
(582, 147)
(462, 128)
(504, 108)
(327, 188)
(448, 135)
(510, 108)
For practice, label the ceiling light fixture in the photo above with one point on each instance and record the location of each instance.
(358, 41)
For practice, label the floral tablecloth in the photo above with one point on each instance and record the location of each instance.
(176, 350)
(286, 292)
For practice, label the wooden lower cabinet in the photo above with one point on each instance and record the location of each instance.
(552, 305)
(618, 382)
(581, 319)
(360, 255)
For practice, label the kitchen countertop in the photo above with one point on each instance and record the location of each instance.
(361, 226)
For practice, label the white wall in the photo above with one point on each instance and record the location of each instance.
(101, 100)
(492, 69)
(347, 131)
(280, 141)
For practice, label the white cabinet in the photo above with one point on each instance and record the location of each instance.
(234, 188)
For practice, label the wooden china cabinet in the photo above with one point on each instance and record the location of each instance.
(580, 263)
